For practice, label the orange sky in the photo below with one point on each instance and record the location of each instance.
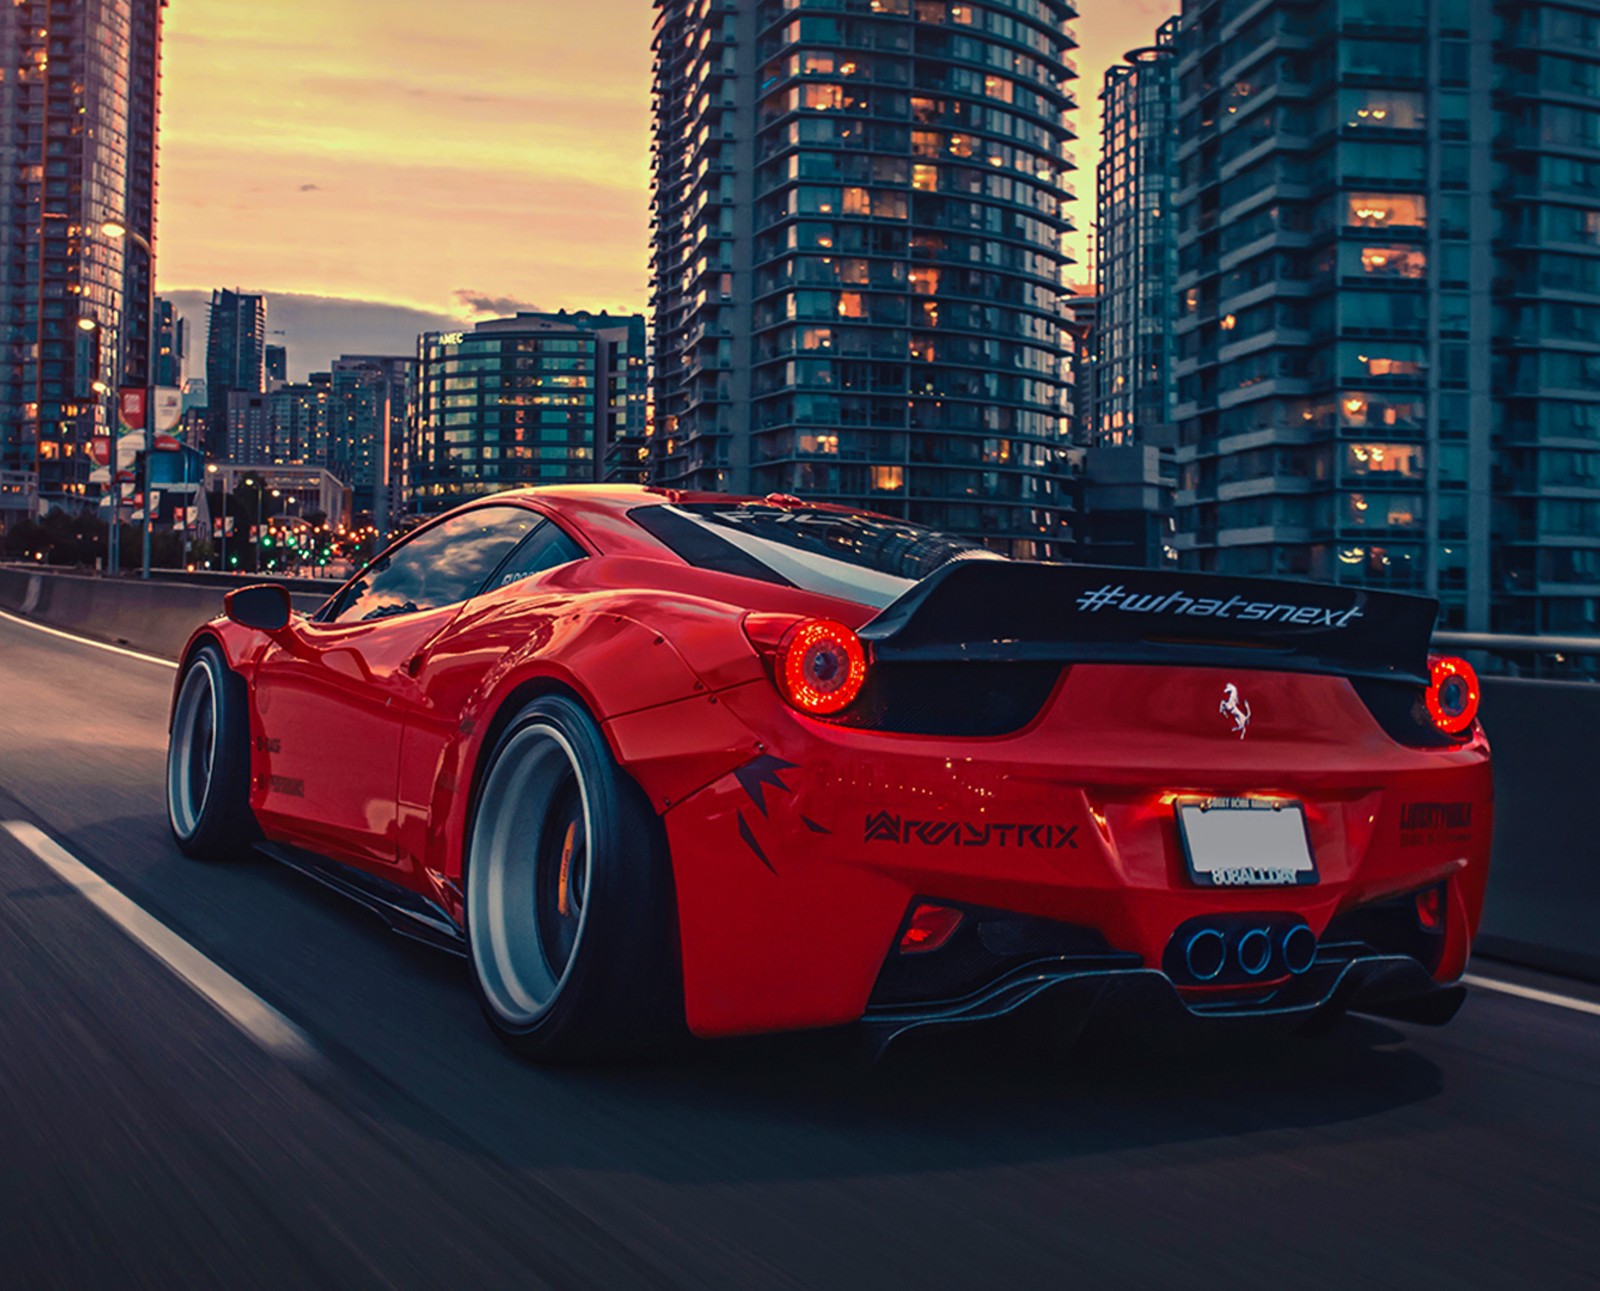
(422, 153)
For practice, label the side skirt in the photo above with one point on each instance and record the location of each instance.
(404, 911)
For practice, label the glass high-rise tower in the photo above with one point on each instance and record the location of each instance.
(859, 211)
(1388, 331)
(236, 342)
(1545, 482)
(79, 100)
(1137, 260)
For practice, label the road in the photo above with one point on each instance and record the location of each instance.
(145, 1140)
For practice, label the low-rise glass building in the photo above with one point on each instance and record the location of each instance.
(535, 399)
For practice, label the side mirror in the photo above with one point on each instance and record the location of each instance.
(265, 607)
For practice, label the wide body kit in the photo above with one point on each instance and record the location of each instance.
(1026, 801)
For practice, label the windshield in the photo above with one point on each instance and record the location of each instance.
(849, 554)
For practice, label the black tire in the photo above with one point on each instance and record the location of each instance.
(571, 921)
(208, 761)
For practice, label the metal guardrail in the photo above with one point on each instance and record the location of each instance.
(1557, 658)
(1503, 643)
(192, 578)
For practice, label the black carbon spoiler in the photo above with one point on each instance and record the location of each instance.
(1023, 611)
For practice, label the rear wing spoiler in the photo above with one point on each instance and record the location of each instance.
(1024, 611)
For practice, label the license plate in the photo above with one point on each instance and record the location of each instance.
(1245, 842)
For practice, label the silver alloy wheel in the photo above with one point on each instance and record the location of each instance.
(523, 952)
(192, 749)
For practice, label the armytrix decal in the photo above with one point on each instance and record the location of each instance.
(285, 785)
(1430, 822)
(1436, 815)
(885, 827)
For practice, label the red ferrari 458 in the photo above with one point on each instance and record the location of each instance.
(654, 760)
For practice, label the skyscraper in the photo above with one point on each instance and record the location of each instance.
(300, 421)
(172, 345)
(250, 428)
(1137, 263)
(857, 256)
(368, 402)
(1544, 321)
(1388, 368)
(79, 95)
(274, 365)
(235, 359)
(534, 399)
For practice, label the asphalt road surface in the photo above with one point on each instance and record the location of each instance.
(146, 1140)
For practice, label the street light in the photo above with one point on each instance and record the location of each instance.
(116, 231)
(99, 388)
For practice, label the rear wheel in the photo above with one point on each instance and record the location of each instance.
(570, 919)
(208, 760)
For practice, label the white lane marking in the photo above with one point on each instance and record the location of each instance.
(84, 641)
(1529, 993)
(224, 992)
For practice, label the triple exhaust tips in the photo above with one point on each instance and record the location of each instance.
(1250, 951)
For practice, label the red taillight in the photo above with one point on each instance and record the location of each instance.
(1452, 694)
(1430, 908)
(820, 667)
(929, 927)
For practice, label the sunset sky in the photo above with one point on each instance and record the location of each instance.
(406, 162)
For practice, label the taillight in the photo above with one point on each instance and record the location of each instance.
(928, 928)
(1452, 694)
(1430, 908)
(820, 667)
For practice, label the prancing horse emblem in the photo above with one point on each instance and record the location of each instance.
(1236, 708)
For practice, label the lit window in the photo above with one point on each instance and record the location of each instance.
(1394, 262)
(1387, 210)
(1378, 365)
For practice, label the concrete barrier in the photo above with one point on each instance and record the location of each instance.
(155, 616)
(1544, 884)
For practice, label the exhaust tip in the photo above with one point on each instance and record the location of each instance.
(1205, 954)
(1254, 951)
(1299, 949)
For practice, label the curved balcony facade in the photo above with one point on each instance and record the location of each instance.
(858, 258)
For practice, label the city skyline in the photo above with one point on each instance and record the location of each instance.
(500, 164)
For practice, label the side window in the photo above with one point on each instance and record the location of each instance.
(442, 565)
(545, 548)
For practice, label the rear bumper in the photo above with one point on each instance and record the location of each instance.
(795, 870)
(1071, 996)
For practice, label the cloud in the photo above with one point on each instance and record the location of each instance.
(483, 142)
(483, 303)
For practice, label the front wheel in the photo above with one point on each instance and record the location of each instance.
(571, 925)
(208, 761)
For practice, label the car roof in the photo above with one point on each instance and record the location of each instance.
(600, 512)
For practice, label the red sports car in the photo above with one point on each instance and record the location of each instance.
(652, 759)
